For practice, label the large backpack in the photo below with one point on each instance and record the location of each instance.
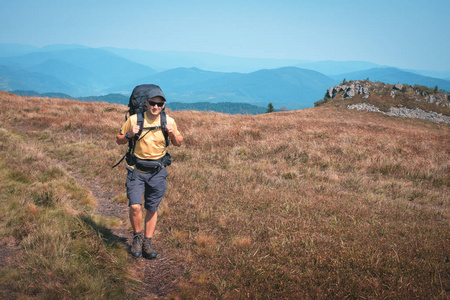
(137, 106)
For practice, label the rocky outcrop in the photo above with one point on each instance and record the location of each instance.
(416, 113)
(349, 91)
(365, 88)
(395, 100)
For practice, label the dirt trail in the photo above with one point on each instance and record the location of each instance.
(159, 276)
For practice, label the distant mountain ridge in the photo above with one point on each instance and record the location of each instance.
(331, 67)
(166, 60)
(81, 71)
(11, 78)
(85, 71)
(287, 87)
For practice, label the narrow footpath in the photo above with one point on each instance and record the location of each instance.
(159, 276)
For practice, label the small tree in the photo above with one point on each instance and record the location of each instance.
(270, 108)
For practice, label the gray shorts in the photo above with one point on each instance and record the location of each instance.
(151, 185)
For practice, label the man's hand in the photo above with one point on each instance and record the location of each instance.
(134, 131)
(169, 129)
(121, 138)
(176, 139)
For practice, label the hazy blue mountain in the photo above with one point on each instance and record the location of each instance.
(288, 87)
(80, 71)
(435, 74)
(332, 67)
(110, 98)
(179, 83)
(12, 50)
(7, 50)
(394, 75)
(94, 70)
(67, 71)
(36, 94)
(29, 93)
(11, 79)
(222, 107)
(165, 60)
(60, 47)
(181, 78)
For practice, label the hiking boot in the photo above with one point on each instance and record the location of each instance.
(136, 248)
(147, 249)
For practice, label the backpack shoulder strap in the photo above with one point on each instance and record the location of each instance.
(132, 142)
(163, 119)
(140, 122)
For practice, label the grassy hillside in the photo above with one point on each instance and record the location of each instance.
(318, 203)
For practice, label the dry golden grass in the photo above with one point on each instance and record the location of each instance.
(317, 203)
(63, 250)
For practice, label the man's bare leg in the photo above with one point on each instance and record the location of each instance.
(150, 223)
(136, 217)
(136, 223)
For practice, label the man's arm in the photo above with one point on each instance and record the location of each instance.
(121, 138)
(177, 139)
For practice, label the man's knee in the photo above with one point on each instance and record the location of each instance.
(135, 208)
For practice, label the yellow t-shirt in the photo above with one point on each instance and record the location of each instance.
(153, 145)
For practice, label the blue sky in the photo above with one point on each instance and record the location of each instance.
(402, 33)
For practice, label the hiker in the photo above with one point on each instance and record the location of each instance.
(147, 159)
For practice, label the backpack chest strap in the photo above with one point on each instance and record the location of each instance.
(148, 130)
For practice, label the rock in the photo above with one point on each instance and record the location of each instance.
(330, 92)
(398, 86)
(365, 90)
(362, 90)
(404, 112)
(392, 94)
(350, 93)
(364, 106)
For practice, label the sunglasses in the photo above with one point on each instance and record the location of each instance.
(152, 103)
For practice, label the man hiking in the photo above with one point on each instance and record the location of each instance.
(148, 133)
